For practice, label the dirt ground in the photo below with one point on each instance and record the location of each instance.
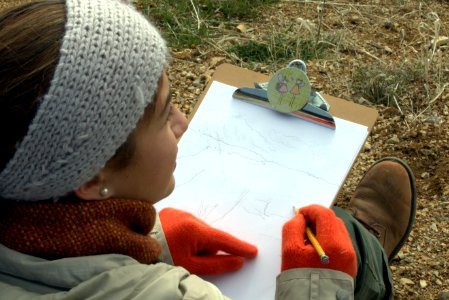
(416, 130)
(385, 33)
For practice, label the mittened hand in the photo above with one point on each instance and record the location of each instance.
(331, 233)
(194, 245)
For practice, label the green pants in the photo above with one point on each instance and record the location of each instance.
(373, 279)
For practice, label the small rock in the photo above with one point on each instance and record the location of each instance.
(202, 69)
(354, 19)
(242, 28)
(425, 175)
(388, 50)
(439, 282)
(444, 295)
(388, 24)
(401, 255)
(190, 76)
(196, 82)
(309, 25)
(423, 284)
(434, 227)
(367, 146)
(184, 54)
(362, 100)
(393, 140)
(406, 281)
(216, 60)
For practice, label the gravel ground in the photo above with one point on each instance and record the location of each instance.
(375, 32)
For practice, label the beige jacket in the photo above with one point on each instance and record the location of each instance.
(115, 276)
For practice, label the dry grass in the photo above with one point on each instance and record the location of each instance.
(382, 51)
(388, 52)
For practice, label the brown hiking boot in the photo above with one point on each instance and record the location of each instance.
(385, 203)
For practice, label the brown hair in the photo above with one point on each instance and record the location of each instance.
(30, 39)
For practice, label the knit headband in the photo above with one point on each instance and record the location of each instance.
(110, 63)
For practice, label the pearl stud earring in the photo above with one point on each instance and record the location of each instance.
(104, 191)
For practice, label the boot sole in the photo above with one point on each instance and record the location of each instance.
(413, 204)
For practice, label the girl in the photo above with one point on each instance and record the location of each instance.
(89, 144)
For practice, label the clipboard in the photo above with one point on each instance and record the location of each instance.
(240, 77)
(241, 168)
(341, 108)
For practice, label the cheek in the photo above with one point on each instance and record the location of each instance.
(165, 160)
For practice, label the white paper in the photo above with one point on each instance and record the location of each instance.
(242, 168)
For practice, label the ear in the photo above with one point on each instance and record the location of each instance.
(91, 189)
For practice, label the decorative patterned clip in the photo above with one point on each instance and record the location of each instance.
(289, 91)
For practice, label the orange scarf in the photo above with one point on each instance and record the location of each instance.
(72, 227)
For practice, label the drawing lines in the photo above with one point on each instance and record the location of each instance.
(223, 147)
(237, 203)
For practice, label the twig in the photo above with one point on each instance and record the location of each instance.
(214, 45)
(439, 94)
(196, 14)
(370, 55)
(397, 105)
(321, 13)
(396, 101)
(331, 3)
(433, 100)
(437, 24)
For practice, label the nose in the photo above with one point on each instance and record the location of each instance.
(180, 123)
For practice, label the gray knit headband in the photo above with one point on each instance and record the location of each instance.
(110, 63)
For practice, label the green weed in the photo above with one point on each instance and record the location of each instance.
(234, 8)
(387, 85)
(283, 47)
(186, 23)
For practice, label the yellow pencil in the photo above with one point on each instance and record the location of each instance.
(323, 257)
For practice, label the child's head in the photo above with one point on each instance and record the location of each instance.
(76, 79)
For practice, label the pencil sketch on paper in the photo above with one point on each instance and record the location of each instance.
(241, 168)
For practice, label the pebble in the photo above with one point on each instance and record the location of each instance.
(190, 76)
(444, 295)
(202, 69)
(354, 19)
(434, 227)
(388, 24)
(216, 60)
(362, 100)
(196, 82)
(393, 140)
(425, 175)
(406, 281)
(423, 284)
(367, 146)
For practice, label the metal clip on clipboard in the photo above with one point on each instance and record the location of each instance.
(289, 91)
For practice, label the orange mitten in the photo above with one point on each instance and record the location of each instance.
(194, 245)
(330, 232)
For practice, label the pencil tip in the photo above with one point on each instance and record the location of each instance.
(324, 259)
